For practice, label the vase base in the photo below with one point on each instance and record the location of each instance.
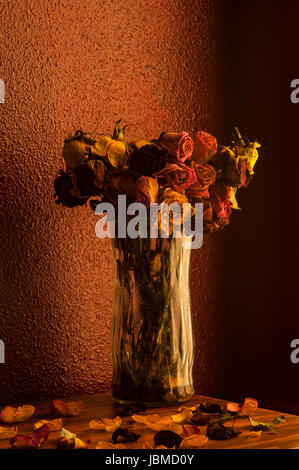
(153, 404)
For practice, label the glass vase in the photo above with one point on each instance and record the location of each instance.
(152, 336)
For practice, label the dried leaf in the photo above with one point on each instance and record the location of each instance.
(60, 408)
(16, 415)
(224, 418)
(132, 408)
(54, 424)
(219, 432)
(125, 435)
(33, 440)
(108, 445)
(212, 408)
(193, 441)
(105, 424)
(168, 439)
(258, 426)
(8, 432)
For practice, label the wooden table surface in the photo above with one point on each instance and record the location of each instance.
(286, 435)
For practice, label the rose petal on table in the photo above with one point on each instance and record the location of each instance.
(193, 442)
(8, 432)
(60, 408)
(73, 443)
(34, 439)
(105, 424)
(16, 415)
(125, 435)
(108, 445)
(232, 407)
(168, 439)
(147, 445)
(190, 408)
(182, 417)
(54, 424)
(254, 433)
(190, 430)
(155, 422)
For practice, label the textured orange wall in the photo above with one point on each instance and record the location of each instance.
(82, 64)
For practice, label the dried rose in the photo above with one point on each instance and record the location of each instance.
(168, 439)
(125, 435)
(35, 439)
(84, 178)
(54, 424)
(166, 198)
(114, 150)
(107, 424)
(220, 200)
(178, 144)
(219, 432)
(66, 191)
(205, 146)
(147, 160)
(10, 414)
(147, 190)
(76, 149)
(60, 408)
(121, 182)
(177, 175)
(213, 408)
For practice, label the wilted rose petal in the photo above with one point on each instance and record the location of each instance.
(254, 433)
(106, 424)
(155, 422)
(232, 407)
(8, 432)
(16, 415)
(108, 445)
(54, 424)
(147, 445)
(193, 441)
(35, 439)
(182, 417)
(190, 430)
(167, 438)
(60, 408)
(249, 406)
(69, 440)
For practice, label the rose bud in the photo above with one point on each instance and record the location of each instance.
(147, 189)
(205, 147)
(177, 175)
(147, 160)
(178, 144)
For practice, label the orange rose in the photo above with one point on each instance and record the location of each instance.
(206, 176)
(179, 144)
(205, 146)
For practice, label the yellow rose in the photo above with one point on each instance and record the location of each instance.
(114, 150)
(75, 151)
(137, 144)
(169, 196)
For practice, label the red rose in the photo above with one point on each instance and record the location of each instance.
(205, 176)
(177, 175)
(220, 199)
(178, 144)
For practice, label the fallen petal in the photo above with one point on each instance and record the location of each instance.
(54, 424)
(193, 441)
(105, 424)
(190, 430)
(108, 445)
(7, 433)
(249, 406)
(182, 417)
(60, 408)
(73, 443)
(35, 439)
(16, 415)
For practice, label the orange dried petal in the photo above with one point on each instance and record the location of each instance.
(54, 424)
(8, 432)
(16, 415)
(249, 406)
(108, 445)
(190, 429)
(70, 409)
(181, 417)
(106, 424)
(193, 441)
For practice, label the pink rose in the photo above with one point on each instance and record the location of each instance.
(178, 144)
(177, 175)
(205, 147)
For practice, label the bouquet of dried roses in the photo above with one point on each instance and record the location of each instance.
(152, 334)
(171, 169)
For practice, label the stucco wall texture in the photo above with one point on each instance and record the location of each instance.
(84, 64)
